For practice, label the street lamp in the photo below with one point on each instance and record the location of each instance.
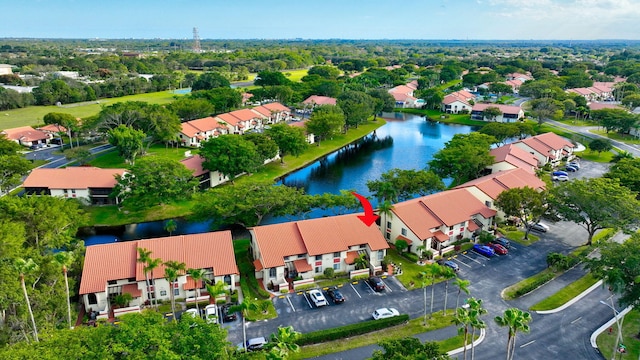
(618, 323)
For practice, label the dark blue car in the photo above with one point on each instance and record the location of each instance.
(484, 250)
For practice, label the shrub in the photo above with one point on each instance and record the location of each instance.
(328, 272)
(536, 283)
(350, 330)
(411, 256)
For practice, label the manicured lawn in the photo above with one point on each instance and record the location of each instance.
(518, 236)
(563, 296)
(249, 284)
(33, 115)
(630, 327)
(436, 115)
(410, 276)
(295, 75)
(111, 215)
(604, 157)
(113, 160)
(577, 122)
(413, 327)
(615, 136)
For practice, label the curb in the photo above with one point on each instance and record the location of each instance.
(572, 301)
(602, 328)
(475, 343)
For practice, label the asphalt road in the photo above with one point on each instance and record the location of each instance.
(58, 160)
(585, 130)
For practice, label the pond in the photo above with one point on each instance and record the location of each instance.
(405, 141)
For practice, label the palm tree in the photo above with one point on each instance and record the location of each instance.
(434, 270)
(197, 275)
(463, 285)
(424, 281)
(361, 261)
(447, 273)
(170, 226)
(475, 311)
(516, 320)
(216, 289)
(386, 209)
(144, 256)
(25, 267)
(152, 264)
(243, 307)
(64, 259)
(463, 320)
(285, 342)
(171, 272)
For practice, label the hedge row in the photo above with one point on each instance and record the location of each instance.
(350, 330)
(534, 284)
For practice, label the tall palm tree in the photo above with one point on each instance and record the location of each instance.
(475, 311)
(153, 264)
(463, 285)
(216, 289)
(463, 320)
(197, 275)
(144, 256)
(26, 267)
(385, 208)
(447, 273)
(65, 259)
(172, 271)
(424, 282)
(516, 320)
(243, 307)
(434, 270)
(285, 342)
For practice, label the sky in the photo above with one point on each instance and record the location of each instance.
(327, 19)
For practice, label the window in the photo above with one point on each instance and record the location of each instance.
(404, 232)
(336, 254)
(163, 292)
(227, 279)
(451, 227)
(336, 266)
(93, 299)
(176, 292)
(112, 282)
(381, 255)
(318, 257)
(388, 224)
(272, 272)
(318, 269)
(388, 236)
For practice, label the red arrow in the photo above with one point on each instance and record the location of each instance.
(369, 217)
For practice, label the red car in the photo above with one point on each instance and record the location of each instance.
(499, 249)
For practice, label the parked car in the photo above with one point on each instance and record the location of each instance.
(452, 265)
(484, 250)
(254, 344)
(503, 241)
(211, 313)
(575, 164)
(540, 227)
(317, 298)
(384, 313)
(191, 312)
(498, 249)
(376, 283)
(559, 173)
(560, 178)
(335, 295)
(570, 168)
(227, 315)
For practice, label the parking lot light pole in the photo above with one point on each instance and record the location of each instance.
(618, 323)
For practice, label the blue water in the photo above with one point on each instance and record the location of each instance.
(405, 142)
(182, 91)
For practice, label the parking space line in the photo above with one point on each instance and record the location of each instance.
(291, 304)
(354, 289)
(308, 302)
(386, 286)
(472, 259)
(369, 286)
(462, 262)
(527, 344)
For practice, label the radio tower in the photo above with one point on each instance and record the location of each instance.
(196, 41)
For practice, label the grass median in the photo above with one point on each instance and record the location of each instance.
(563, 296)
(630, 338)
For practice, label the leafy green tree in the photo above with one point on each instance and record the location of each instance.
(600, 145)
(491, 113)
(500, 88)
(222, 99)
(62, 120)
(627, 172)
(516, 321)
(155, 181)
(621, 155)
(25, 267)
(271, 78)
(210, 80)
(247, 203)
(12, 169)
(525, 204)
(231, 155)
(173, 269)
(128, 141)
(546, 108)
(400, 185)
(463, 320)
(170, 226)
(290, 140)
(525, 129)
(338, 204)
(284, 343)
(325, 122)
(65, 259)
(383, 101)
(595, 204)
(325, 71)
(144, 256)
(197, 275)
(401, 245)
(188, 109)
(632, 100)
(475, 312)
(463, 286)
(408, 348)
(357, 107)
(79, 155)
(464, 157)
(501, 131)
(266, 148)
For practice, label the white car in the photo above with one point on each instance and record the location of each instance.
(560, 178)
(384, 313)
(574, 164)
(211, 313)
(540, 227)
(317, 298)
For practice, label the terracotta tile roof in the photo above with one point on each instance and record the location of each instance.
(320, 100)
(401, 96)
(312, 237)
(473, 226)
(190, 128)
(51, 128)
(258, 264)
(400, 237)
(600, 106)
(192, 284)
(276, 106)
(79, 177)
(119, 260)
(547, 141)
(451, 98)
(25, 133)
(440, 236)
(447, 208)
(246, 114)
(132, 289)
(580, 91)
(401, 89)
(351, 257)
(505, 109)
(515, 156)
(463, 94)
(194, 163)
(413, 84)
(302, 265)
(496, 183)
